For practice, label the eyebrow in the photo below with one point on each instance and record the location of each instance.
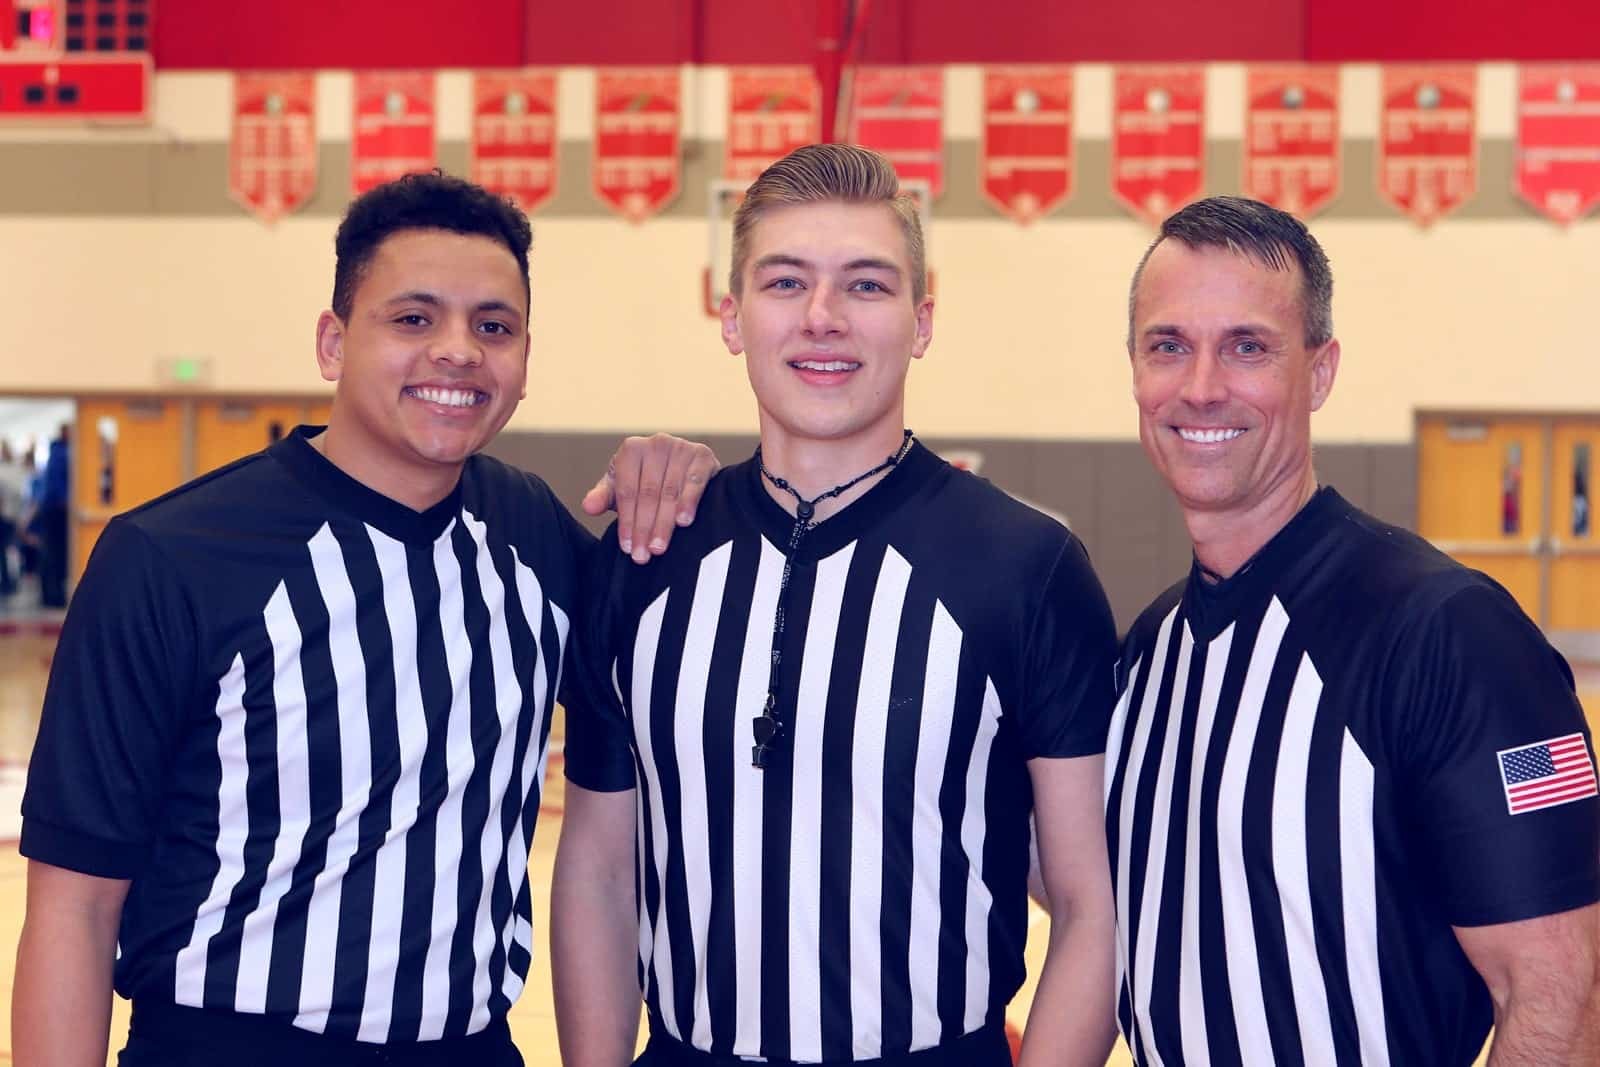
(1248, 329)
(422, 296)
(785, 259)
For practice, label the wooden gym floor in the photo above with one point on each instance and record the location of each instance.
(26, 644)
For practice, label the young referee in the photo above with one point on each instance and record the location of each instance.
(291, 751)
(797, 811)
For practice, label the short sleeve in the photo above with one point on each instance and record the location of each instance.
(118, 689)
(1070, 661)
(599, 753)
(1492, 710)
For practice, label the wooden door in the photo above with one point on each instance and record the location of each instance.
(125, 453)
(226, 430)
(1574, 537)
(1481, 498)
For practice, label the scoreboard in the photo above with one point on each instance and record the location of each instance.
(64, 61)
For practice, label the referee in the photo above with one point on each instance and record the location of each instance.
(821, 718)
(1351, 795)
(292, 747)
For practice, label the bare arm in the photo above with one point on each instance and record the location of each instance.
(61, 1006)
(655, 484)
(1544, 977)
(1073, 1019)
(594, 930)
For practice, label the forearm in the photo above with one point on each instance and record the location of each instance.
(61, 1005)
(594, 954)
(1073, 1017)
(1535, 1028)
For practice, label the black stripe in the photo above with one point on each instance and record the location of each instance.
(1324, 858)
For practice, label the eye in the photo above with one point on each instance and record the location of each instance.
(1249, 348)
(491, 326)
(1166, 348)
(869, 285)
(785, 284)
(411, 318)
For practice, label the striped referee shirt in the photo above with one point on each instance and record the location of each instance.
(309, 724)
(864, 895)
(1311, 777)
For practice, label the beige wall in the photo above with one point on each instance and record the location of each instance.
(1491, 309)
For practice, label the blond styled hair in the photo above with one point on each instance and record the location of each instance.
(816, 173)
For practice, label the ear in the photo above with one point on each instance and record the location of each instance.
(729, 313)
(1324, 368)
(527, 351)
(924, 336)
(330, 346)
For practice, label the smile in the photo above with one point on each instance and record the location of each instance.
(450, 398)
(832, 365)
(1206, 437)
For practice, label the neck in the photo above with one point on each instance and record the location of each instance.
(813, 468)
(1224, 541)
(418, 490)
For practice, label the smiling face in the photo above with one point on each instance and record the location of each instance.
(430, 363)
(1225, 382)
(828, 325)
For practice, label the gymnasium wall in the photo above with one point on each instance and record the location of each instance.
(122, 249)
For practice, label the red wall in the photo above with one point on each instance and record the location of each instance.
(489, 33)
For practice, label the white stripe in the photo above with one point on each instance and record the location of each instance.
(927, 826)
(233, 824)
(646, 936)
(531, 594)
(1244, 967)
(1291, 865)
(644, 669)
(458, 767)
(974, 828)
(866, 804)
(294, 803)
(805, 824)
(508, 707)
(355, 781)
(747, 807)
(1191, 996)
(1156, 867)
(1119, 725)
(411, 726)
(1358, 873)
(689, 741)
(1119, 722)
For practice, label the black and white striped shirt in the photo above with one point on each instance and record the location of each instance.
(1305, 793)
(864, 895)
(309, 724)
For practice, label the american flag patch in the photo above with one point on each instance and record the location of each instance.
(1547, 773)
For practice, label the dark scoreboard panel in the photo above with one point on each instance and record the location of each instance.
(75, 60)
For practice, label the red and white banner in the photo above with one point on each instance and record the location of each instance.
(1428, 139)
(272, 154)
(1558, 139)
(899, 111)
(393, 131)
(1158, 144)
(1291, 137)
(771, 112)
(1025, 160)
(514, 140)
(637, 162)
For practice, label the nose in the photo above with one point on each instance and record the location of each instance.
(824, 311)
(457, 344)
(1205, 384)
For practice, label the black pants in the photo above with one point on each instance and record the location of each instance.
(50, 526)
(167, 1035)
(981, 1048)
(8, 533)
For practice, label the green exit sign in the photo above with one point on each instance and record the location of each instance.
(186, 371)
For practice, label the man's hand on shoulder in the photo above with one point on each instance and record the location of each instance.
(654, 484)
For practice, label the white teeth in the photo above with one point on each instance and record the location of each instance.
(1208, 437)
(450, 398)
(829, 365)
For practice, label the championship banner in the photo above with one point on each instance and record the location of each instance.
(1428, 140)
(392, 134)
(899, 111)
(1291, 137)
(637, 162)
(272, 154)
(1158, 147)
(1558, 139)
(771, 112)
(513, 150)
(1025, 158)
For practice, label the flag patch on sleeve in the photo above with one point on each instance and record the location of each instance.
(1547, 773)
